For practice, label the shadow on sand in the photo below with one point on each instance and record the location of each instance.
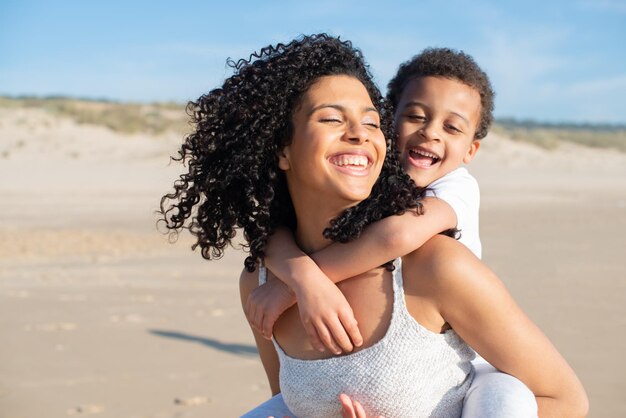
(237, 349)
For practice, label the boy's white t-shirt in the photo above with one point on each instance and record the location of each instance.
(460, 190)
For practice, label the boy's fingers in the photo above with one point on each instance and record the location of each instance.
(326, 338)
(246, 309)
(352, 328)
(258, 320)
(255, 316)
(313, 337)
(250, 312)
(339, 334)
(268, 326)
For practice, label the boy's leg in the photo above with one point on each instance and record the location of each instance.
(494, 394)
(275, 407)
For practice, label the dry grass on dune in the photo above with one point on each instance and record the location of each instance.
(551, 136)
(130, 118)
(157, 118)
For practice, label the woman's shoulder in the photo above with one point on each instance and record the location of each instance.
(441, 253)
(440, 264)
(440, 274)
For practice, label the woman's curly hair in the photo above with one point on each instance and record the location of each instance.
(447, 63)
(233, 180)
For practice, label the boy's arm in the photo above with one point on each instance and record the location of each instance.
(325, 313)
(385, 240)
(380, 242)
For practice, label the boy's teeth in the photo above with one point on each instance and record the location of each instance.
(423, 158)
(355, 160)
(425, 154)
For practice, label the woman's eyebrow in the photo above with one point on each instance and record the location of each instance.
(339, 107)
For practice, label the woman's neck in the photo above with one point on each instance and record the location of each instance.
(312, 220)
(309, 235)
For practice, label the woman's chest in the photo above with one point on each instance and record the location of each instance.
(371, 299)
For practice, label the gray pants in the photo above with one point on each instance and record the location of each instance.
(494, 394)
(275, 407)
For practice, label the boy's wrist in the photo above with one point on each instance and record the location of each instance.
(305, 280)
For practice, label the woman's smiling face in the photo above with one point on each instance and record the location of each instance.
(337, 148)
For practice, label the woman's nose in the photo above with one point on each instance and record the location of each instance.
(357, 133)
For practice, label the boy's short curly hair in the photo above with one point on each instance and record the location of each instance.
(233, 180)
(447, 63)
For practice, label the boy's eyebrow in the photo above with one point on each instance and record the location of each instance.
(339, 107)
(417, 103)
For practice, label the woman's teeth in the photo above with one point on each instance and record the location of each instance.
(353, 160)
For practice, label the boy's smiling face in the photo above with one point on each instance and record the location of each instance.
(436, 119)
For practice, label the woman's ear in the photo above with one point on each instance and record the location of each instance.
(284, 159)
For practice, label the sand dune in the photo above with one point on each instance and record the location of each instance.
(102, 316)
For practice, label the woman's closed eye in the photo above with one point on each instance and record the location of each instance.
(331, 119)
(371, 122)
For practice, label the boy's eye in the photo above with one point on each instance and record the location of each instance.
(453, 128)
(416, 117)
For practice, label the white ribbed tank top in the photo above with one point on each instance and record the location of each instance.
(411, 372)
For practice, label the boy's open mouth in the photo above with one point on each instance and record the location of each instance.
(422, 158)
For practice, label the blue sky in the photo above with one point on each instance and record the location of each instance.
(548, 60)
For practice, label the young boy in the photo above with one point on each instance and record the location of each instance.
(443, 104)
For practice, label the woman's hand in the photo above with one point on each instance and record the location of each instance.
(351, 408)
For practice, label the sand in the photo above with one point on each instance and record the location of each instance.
(100, 315)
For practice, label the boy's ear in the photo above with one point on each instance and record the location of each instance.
(284, 159)
(471, 152)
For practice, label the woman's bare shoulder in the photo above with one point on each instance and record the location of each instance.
(443, 266)
(441, 254)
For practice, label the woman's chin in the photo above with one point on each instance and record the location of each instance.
(355, 196)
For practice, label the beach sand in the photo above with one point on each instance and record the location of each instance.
(100, 315)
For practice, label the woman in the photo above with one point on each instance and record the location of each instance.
(295, 138)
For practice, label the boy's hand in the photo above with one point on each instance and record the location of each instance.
(327, 316)
(266, 303)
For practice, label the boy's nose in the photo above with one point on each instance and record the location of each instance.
(429, 132)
